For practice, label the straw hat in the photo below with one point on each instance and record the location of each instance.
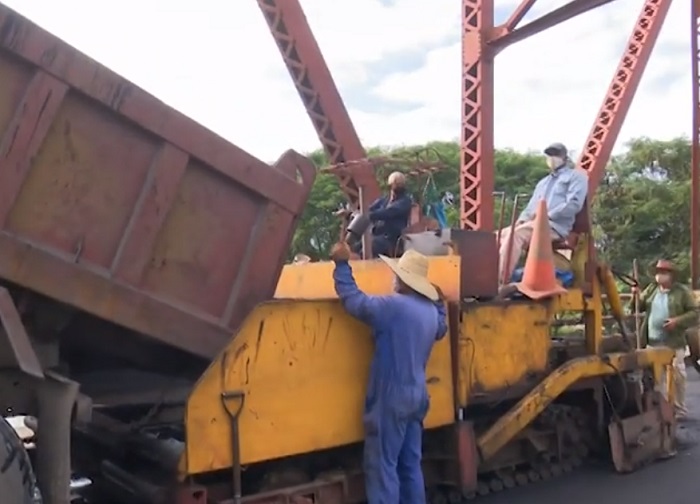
(412, 269)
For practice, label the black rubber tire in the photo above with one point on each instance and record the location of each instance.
(17, 480)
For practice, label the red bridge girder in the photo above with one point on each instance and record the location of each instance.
(481, 42)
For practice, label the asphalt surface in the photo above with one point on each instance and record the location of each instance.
(674, 481)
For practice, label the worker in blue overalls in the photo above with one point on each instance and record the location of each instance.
(404, 326)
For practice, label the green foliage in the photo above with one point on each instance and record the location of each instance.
(641, 209)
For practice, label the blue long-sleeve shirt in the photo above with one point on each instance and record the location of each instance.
(565, 190)
(391, 217)
(404, 327)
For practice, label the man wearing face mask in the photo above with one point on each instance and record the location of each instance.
(669, 310)
(564, 189)
(389, 216)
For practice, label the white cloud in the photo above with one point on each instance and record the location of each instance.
(551, 86)
(216, 61)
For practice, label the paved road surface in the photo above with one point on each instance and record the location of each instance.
(675, 481)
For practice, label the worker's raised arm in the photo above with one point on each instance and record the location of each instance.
(575, 197)
(358, 304)
(400, 206)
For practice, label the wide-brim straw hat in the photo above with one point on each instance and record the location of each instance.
(412, 269)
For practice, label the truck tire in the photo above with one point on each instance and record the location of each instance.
(17, 480)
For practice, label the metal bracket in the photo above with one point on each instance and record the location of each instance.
(641, 439)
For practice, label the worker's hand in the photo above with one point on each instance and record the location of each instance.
(670, 324)
(340, 252)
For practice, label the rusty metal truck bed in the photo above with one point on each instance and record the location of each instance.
(116, 204)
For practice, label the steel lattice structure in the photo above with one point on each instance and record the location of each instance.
(482, 41)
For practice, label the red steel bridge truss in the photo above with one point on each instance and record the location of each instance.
(482, 41)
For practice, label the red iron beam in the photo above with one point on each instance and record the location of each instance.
(318, 92)
(695, 154)
(507, 35)
(518, 15)
(618, 99)
(477, 149)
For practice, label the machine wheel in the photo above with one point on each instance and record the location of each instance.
(17, 481)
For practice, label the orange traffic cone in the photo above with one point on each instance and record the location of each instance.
(539, 280)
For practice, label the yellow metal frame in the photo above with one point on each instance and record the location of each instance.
(314, 281)
(302, 367)
(525, 411)
(499, 344)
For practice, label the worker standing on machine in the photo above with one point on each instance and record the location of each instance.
(564, 189)
(405, 325)
(669, 309)
(389, 216)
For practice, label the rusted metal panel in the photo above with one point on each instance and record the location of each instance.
(479, 263)
(641, 439)
(116, 204)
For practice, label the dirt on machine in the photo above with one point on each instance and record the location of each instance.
(161, 351)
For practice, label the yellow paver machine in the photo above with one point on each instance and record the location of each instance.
(511, 403)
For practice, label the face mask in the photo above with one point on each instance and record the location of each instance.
(663, 278)
(554, 162)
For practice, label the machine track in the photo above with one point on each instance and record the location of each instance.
(576, 442)
(557, 442)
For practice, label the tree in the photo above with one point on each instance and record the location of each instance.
(641, 209)
(318, 228)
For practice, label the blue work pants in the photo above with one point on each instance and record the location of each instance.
(392, 458)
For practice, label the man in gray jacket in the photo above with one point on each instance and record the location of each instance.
(564, 189)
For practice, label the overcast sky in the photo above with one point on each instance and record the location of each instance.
(396, 62)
